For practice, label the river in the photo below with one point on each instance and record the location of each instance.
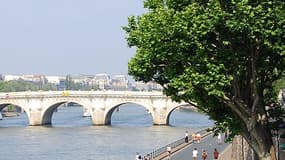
(73, 137)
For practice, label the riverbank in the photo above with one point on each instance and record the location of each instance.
(10, 114)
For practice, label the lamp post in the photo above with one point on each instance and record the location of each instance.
(278, 144)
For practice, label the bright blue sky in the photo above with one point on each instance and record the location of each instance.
(59, 37)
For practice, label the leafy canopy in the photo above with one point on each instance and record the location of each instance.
(220, 54)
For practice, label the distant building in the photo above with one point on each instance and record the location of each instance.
(54, 79)
(140, 86)
(38, 79)
(82, 79)
(11, 77)
(154, 86)
(101, 81)
(120, 83)
(61, 86)
(150, 86)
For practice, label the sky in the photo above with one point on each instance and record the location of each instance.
(60, 37)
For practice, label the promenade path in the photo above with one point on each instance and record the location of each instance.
(208, 143)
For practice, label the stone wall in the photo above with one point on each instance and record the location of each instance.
(241, 149)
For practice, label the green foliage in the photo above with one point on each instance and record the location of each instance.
(223, 55)
(278, 85)
(48, 87)
(20, 85)
(15, 86)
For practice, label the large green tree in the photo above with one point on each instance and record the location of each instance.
(224, 55)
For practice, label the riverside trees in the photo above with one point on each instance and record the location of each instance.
(223, 55)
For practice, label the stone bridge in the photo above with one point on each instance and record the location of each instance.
(40, 106)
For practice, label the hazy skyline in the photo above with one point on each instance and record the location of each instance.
(59, 37)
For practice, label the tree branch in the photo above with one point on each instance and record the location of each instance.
(240, 111)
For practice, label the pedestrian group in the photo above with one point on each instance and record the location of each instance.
(204, 155)
(196, 138)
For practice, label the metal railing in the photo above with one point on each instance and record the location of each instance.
(158, 152)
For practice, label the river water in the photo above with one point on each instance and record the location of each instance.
(73, 137)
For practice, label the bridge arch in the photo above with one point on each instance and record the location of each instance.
(51, 107)
(20, 105)
(172, 108)
(3, 105)
(111, 108)
(25, 109)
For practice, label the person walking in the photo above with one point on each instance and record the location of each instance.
(198, 137)
(193, 137)
(216, 153)
(186, 137)
(226, 135)
(168, 148)
(195, 154)
(204, 155)
(219, 138)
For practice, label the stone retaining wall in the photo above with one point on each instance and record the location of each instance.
(241, 149)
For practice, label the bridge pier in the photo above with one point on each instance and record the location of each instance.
(98, 117)
(35, 118)
(160, 116)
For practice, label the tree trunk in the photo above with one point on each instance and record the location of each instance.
(257, 132)
(260, 139)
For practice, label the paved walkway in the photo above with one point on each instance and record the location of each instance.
(183, 151)
(208, 143)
